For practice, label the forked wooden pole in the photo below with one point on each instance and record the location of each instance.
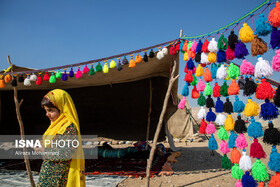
(22, 135)
(151, 157)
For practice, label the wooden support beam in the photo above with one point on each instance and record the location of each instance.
(165, 103)
(149, 114)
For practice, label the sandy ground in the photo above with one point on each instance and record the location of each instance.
(196, 167)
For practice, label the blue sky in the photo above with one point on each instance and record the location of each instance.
(42, 34)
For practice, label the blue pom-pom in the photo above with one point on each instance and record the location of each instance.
(185, 91)
(263, 28)
(274, 160)
(219, 105)
(269, 111)
(71, 73)
(248, 181)
(190, 64)
(211, 116)
(238, 106)
(255, 129)
(181, 46)
(214, 69)
(275, 38)
(212, 143)
(232, 138)
(221, 56)
(199, 47)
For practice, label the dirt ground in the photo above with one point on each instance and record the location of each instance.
(197, 168)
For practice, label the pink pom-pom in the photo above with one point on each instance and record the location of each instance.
(224, 147)
(86, 69)
(79, 74)
(241, 142)
(276, 61)
(200, 85)
(238, 183)
(181, 105)
(247, 68)
(193, 70)
(194, 45)
(210, 129)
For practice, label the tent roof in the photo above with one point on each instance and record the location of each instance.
(143, 70)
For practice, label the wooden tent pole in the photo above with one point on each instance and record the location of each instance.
(150, 160)
(17, 104)
(149, 114)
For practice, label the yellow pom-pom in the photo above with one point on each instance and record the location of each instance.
(229, 123)
(251, 108)
(112, 64)
(186, 57)
(246, 34)
(138, 58)
(132, 63)
(227, 78)
(212, 57)
(105, 68)
(199, 71)
(2, 83)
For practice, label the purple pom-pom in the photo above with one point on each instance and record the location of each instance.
(240, 50)
(275, 38)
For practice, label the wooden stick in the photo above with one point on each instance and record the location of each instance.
(150, 160)
(17, 104)
(149, 115)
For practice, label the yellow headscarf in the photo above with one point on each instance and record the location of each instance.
(68, 115)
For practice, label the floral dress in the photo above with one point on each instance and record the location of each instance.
(54, 172)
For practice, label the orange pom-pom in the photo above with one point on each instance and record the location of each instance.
(132, 63)
(191, 54)
(235, 156)
(275, 180)
(138, 58)
(185, 46)
(207, 75)
(233, 88)
(2, 83)
(8, 78)
(195, 93)
(274, 16)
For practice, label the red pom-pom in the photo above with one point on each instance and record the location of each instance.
(172, 50)
(207, 75)
(256, 150)
(203, 65)
(235, 156)
(39, 80)
(205, 46)
(188, 77)
(264, 90)
(217, 90)
(177, 47)
(261, 184)
(186, 68)
(203, 125)
(230, 54)
(46, 76)
(195, 93)
(275, 180)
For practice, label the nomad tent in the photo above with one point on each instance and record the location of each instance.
(114, 105)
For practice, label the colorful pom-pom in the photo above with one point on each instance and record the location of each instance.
(39, 80)
(264, 90)
(224, 89)
(275, 38)
(241, 142)
(246, 34)
(203, 125)
(258, 46)
(229, 123)
(247, 68)
(221, 72)
(222, 134)
(274, 16)
(245, 162)
(271, 135)
(236, 172)
(232, 40)
(211, 116)
(220, 119)
(256, 150)
(86, 69)
(205, 46)
(195, 93)
(251, 108)
(274, 160)
(201, 113)
(232, 139)
(230, 54)
(240, 50)
(79, 73)
(212, 143)
(248, 180)
(226, 164)
(224, 147)
(185, 91)
(263, 28)
(228, 108)
(259, 171)
(255, 129)
(238, 106)
(219, 105)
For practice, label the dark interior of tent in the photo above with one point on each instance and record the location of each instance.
(118, 111)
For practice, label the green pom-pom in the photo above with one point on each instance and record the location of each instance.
(98, 67)
(222, 134)
(201, 100)
(58, 74)
(259, 171)
(233, 71)
(52, 79)
(226, 164)
(236, 172)
(222, 43)
(208, 89)
(195, 81)
(224, 89)
(91, 71)
(190, 44)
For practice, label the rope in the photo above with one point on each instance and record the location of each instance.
(236, 21)
(91, 61)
